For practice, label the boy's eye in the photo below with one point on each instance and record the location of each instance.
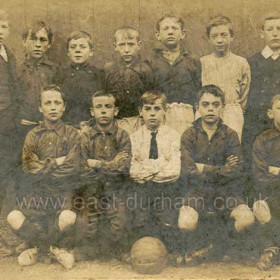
(158, 108)
(4, 26)
(216, 104)
(109, 106)
(205, 104)
(42, 39)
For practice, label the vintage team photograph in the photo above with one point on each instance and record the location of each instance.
(139, 139)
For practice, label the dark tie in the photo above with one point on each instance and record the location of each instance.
(153, 146)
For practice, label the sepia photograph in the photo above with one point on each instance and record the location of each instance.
(139, 139)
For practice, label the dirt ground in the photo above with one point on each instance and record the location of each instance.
(10, 269)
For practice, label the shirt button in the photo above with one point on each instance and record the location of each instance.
(208, 159)
(127, 91)
(77, 68)
(50, 143)
(72, 74)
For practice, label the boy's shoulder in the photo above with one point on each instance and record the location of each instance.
(256, 59)
(268, 135)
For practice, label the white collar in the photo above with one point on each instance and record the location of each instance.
(267, 52)
(3, 53)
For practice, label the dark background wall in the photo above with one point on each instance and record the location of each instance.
(102, 18)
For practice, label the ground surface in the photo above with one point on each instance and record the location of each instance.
(9, 269)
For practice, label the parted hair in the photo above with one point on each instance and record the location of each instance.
(177, 18)
(51, 87)
(77, 35)
(217, 21)
(150, 97)
(211, 89)
(128, 32)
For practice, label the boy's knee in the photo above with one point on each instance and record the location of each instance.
(66, 219)
(188, 219)
(15, 219)
(261, 211)
(243, 217)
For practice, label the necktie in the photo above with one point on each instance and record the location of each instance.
(153, 146)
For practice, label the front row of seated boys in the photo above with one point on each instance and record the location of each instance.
(84, 196)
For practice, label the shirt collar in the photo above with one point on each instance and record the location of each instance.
(44, 60)
(58, 128)
(221, 129)
(267, 52)
(96, 131)
(148, 132)
(80, 66)
(158, 52)
(3, 53)
(274, 132)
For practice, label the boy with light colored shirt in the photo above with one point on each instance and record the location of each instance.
(265, 70)
(226, 70)
(155, 168)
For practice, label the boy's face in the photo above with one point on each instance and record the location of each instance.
(210, 108)
(271, 33)
(220, 40)
(37, 44)
(79, 50)
(153, 114)
(104, 109)
(128, 48)
(52, 105)
(274, 112)
(170, 33)
(4, 31)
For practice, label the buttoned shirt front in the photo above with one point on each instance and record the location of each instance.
(33, 77)
(180, 80)
(128, 83)
(213, 153)
(166, 168)
(266, 152)
(43, 145)
(105, 146)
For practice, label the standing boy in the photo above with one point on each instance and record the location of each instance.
(79, 79)
(266, 170)
(265, 69)
(211, 168)
(175, 72)
(106, 155)
(226, 70)
(35, 72)
(8, 112)
(127, 76)
(155, 168)
(43, 216)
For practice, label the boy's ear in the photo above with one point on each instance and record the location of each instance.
(262, 34)
(116, 111)
(140, 111)
(157, 35)
(40, 109)
(139, 45)
(270, 114)
(183, 34)
(91, 52)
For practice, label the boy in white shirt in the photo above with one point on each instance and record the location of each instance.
(155, 168)
(230, 72)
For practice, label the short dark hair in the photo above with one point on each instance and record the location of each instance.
(130, 32)
(211, 89)
(177, 18)
(77, 35)
(274, 99)
(270, 17)
(34, 27)
(149, 97)
(51, 87)
(217, 21)
(104, 93)
(4, 15)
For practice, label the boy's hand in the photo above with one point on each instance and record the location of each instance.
(121, 156)
(274, 170)
(231, 161)
(199, 167)
(93, 163)
(59, 161)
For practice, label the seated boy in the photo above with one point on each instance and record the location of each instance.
(128, 77)
(79, 79)
(226, 70)
(175, 72)
(155, 168)
(106, 155)
(211, 168)
(43, 215)
(266, 170)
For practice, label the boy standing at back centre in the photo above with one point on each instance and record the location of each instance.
(128, 77)
(175, 72)
(226, 70)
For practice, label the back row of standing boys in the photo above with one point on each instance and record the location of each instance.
(164, 90)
